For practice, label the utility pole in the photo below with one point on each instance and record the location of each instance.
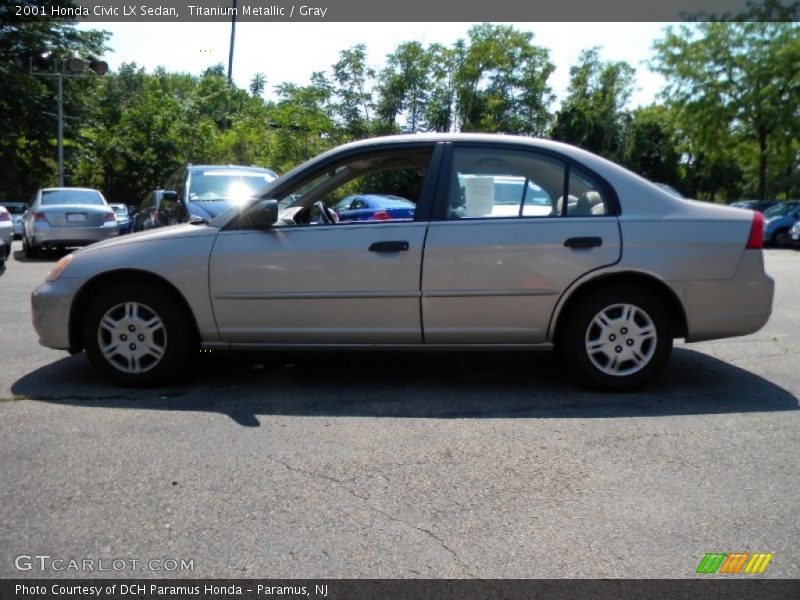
(59, 71)
(233, 40)
(60, 172)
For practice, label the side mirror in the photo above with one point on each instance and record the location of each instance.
(132, 210)
(170, 195)
(264, 213)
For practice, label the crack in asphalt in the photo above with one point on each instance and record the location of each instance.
(365, 501)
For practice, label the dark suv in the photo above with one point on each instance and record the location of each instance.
(208, 190)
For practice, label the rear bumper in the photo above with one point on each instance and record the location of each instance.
(731, 307)
(6, 236)
(72, 236)
(50, 307)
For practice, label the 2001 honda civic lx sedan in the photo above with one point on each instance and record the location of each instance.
(607, 268)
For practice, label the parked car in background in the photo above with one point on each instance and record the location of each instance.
(208, 190)
(794, 234)
(778, 220)
(6, 235)
(123, 218)
(374, 207)
(147, 212)
(65, 217)
(608, 289)
(16, 210)
(758, 205)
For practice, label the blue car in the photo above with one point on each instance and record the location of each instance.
(123, 218)
(778, 220)
(374, 207)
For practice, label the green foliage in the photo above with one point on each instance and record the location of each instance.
(651, 145)
(501, 82)
(27, 135)
(729, 125)
(593, 115)
(737, 83)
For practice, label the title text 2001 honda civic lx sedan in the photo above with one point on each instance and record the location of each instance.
(594, 261)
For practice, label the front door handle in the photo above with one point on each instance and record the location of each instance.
(583, 242)
(390, 246)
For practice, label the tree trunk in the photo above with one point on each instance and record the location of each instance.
(762, 164)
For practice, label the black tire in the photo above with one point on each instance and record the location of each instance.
(579, 327)
(781, 238)
(175, 337)
(30, 251)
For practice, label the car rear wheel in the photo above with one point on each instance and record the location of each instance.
(138, 335)
(29, 250)
(617, 338)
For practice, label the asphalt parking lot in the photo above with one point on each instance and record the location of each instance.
(386, 465)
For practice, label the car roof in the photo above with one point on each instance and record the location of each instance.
(70, 189)
(383, 198)
(252, 168)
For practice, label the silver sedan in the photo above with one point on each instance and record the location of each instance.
(607, 270)
(62, 217)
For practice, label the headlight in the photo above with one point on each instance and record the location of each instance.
(56, 271)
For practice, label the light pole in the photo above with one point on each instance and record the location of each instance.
(60, 70)
(233, 39)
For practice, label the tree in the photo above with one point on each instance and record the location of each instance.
(441, 106)
(651, 145)
(593, 115)
(353, 89)
(739, 78)
(501, 83)
(27, 135)
(404, 86)
(257, 84)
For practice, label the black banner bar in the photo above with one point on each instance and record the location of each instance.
(265, 11)
(740, 588)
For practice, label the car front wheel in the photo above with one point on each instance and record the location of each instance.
(781, 238)
(617, 338)
(138, 335)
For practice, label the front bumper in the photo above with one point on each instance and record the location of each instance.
(50, 307)
(71, 236)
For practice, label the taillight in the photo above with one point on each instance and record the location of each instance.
(4, 216)
(381, 215)
(110, 217)
(755, 241)
(39, 216)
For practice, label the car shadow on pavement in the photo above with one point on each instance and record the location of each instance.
(422, 385)
(44, 256)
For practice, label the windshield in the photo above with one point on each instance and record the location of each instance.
(15, 209)
(780, 210)
(54, 197)
(233, 186)
(121, 211)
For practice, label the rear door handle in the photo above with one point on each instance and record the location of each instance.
(583, 242)
(389, 246)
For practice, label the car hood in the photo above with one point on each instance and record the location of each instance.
(209, 210)
(185, 230)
